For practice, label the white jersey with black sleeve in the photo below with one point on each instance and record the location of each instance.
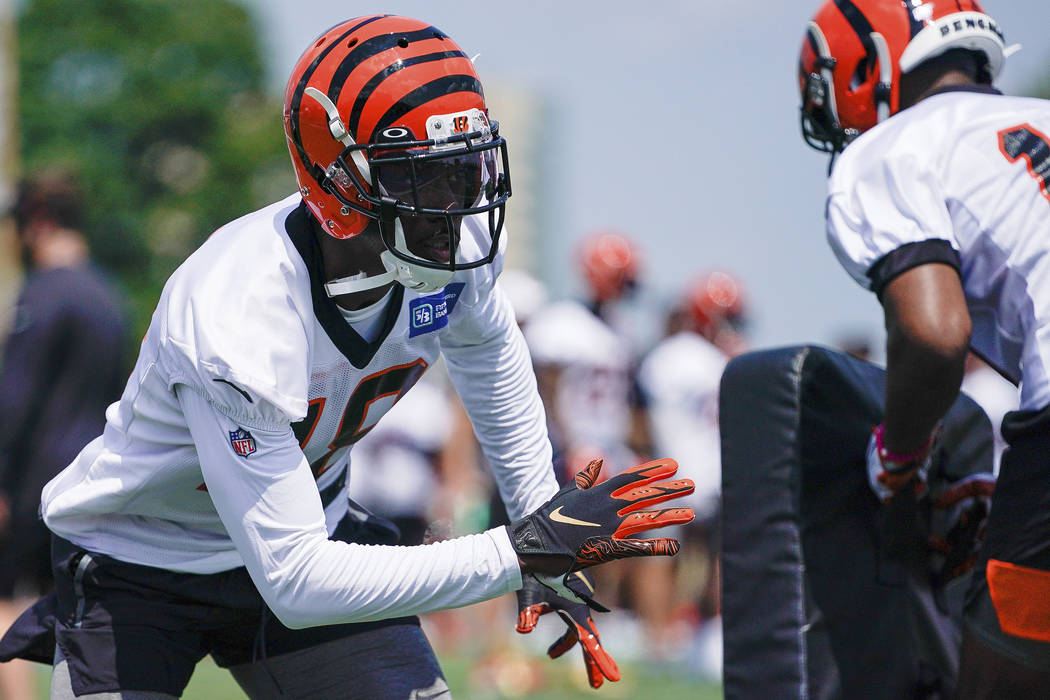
(960, 178)
(231, 443)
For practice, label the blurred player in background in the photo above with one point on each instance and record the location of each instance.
(939, 203)
(679, 380)
(397, 464)
(611, 266)
(610, 262)
(582, 369)
(716, 309)
(62, 365)
(211, 516)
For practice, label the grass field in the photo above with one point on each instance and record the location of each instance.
(516, 667)
(559, 683)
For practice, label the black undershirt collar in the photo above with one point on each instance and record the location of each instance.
(301, 228)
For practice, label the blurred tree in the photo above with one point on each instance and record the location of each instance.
(159, 105)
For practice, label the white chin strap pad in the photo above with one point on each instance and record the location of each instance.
(415, 277)
(357, 283)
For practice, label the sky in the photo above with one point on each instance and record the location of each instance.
(677, 123)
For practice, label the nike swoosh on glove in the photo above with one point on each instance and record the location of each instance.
(587, 523)
(536, 600)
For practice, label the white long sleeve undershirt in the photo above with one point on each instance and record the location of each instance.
(269, 505)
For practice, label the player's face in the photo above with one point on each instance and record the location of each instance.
(432, 238)
(436, 185)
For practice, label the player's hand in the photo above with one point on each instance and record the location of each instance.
(536, 600)
(888, 473)
(957, 524)
(587, 523)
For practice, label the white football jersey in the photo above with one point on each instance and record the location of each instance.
(997, 397)
(394, 471)
(960, 178)
(679, 379)
(593, 384)
(235, 428)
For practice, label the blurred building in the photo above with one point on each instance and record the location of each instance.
(524, 118)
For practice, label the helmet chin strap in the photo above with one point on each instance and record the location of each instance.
(415, 277)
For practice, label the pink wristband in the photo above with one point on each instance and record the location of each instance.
(896, 457)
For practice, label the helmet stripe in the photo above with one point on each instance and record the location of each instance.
(914, 25)
(812, 41)
(368, 48)
(857, 20)
(297, 97)
(354, 118)
(445, 85)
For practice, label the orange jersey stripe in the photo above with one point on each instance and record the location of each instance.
(1021, 596)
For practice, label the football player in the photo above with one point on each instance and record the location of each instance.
(679, 382)
(610, 265)
(211, 516)
(609, 261)
(939, 203)
(64, 362)
(582, 369)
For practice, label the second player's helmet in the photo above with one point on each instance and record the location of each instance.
(855, 52)
(386, 124)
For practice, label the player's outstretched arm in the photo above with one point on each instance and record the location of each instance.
(588, 523)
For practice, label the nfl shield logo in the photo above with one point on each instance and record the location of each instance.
(242, 441)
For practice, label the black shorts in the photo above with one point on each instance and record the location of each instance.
(124, 626)
(1018, 528)
(1009, 598)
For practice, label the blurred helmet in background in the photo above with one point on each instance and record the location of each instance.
(715, 304)
(610, 263)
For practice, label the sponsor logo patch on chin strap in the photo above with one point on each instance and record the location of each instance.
(414, 277)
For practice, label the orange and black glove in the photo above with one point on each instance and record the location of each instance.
(536, 600)
(589, 523)
(960, 511)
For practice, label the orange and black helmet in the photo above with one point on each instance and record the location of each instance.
(610, 263)
(386, 120)
(715, 301)
(855, 51)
